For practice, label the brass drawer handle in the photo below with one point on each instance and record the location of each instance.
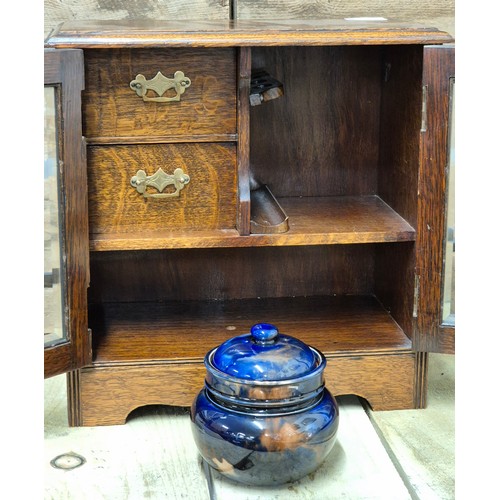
(160, 84)
(160, 180)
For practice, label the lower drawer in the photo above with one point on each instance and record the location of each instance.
(195, 188)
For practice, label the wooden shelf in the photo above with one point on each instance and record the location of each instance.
(312, 221)
(185, 331)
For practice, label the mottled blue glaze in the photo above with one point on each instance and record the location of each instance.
(264, 354)
(282, 392)
(264, 416)
(264, 332)
(267, 449)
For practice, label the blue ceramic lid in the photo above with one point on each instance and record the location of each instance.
(264, 354)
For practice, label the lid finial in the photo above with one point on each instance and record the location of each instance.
(264, 333)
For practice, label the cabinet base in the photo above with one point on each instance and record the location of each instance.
(106, 395)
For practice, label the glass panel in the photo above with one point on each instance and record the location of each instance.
(449, 264)
(53, 293)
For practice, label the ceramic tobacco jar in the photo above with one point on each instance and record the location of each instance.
(264, 416)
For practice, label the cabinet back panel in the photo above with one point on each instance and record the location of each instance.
(233, 273)
(321, 137)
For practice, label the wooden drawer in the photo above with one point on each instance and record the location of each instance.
(207, 201)
(113, 109)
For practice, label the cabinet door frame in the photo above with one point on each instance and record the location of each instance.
(64, 70)
(432, 335)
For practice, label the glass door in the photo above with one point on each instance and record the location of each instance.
(66, 336)
(435, 290)
(448, 295)
(54, 328)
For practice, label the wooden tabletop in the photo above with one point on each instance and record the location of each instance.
(221, 33)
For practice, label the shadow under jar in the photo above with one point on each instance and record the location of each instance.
(264, 416)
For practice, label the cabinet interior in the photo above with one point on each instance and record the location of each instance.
(340, 152)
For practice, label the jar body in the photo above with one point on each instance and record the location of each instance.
(264, 448)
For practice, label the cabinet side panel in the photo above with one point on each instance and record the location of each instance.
(401, 119)
(395, 282)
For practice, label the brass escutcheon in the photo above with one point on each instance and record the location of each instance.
(160, 180)
(160, 84)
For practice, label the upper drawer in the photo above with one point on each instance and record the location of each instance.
(113, 109)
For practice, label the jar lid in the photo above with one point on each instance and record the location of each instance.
(264, 354)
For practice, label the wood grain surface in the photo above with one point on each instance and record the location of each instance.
(366, 375)
(340, 150)
(312, 221)
(400, 122)
(113, 109)
(63, 69)
(58, 11)
(394, 282)
(162, 461)
(312, 141)
(240, 33)
(398, 174)
(109, 394)
(321, 9)
(439, 70)
(181, 331)
(231, 273)
(244, 76)
(208, 201)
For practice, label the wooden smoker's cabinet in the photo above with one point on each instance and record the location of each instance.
(321, 211)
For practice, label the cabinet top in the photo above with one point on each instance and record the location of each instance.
(229, 33)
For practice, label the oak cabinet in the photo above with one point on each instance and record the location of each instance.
(313, 198)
